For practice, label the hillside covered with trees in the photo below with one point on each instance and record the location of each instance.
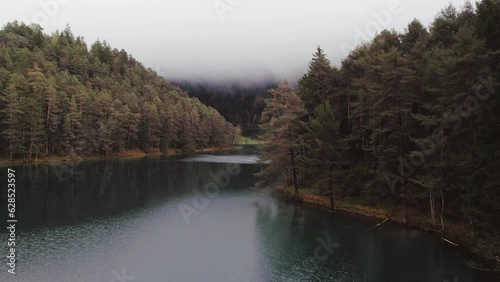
(60, 97)
(239, 103)
(408, 123)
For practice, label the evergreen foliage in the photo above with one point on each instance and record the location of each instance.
(409, 121)
(59, 97)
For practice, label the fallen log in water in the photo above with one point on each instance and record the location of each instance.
(450, 242)
(378, 224)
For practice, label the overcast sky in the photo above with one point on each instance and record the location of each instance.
(225, 39)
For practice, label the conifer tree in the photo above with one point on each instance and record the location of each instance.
(325, 146)
(283, 128)
(316, 85)
(11, 120)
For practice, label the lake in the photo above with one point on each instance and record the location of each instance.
(200, 218)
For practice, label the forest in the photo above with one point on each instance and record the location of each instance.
(239, 103)
(409, 122)
(58, 97)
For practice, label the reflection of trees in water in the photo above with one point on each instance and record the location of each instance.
(289, 233)
(278, 233)
(289, 237)
(103, 187)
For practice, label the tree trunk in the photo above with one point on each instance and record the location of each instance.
(294, 172)
(403, 187)
(48, 123)
(349, 112)
(10, 151)
(433, 212)
(339, 109)
(405, 205)
(331, 188)
(442, 207)
(23, 146)
(30, 152)
(128, 138)
(441, 186)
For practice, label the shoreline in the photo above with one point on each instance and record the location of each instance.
(128, 154)
(63, 159)
(455, 234)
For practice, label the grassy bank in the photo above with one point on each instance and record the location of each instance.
(134, 153)
(481, 251)
(59, 159)
(250, 141)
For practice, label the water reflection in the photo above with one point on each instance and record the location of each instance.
(293, 240)
(118, 214)
(103, 188)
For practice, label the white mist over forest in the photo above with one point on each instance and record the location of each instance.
(226, 39)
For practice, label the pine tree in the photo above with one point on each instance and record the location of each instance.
(325, 147)
(11, 119)
(391, 119)
(34, 127)
(150, 126)
(72, 130)
(315, 86)
(283, 128)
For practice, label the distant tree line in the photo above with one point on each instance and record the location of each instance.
(59, 97)
(409, 121)
(239, 103)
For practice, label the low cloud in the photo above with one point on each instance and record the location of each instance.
(252, 40)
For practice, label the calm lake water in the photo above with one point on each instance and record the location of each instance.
(143, 220)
